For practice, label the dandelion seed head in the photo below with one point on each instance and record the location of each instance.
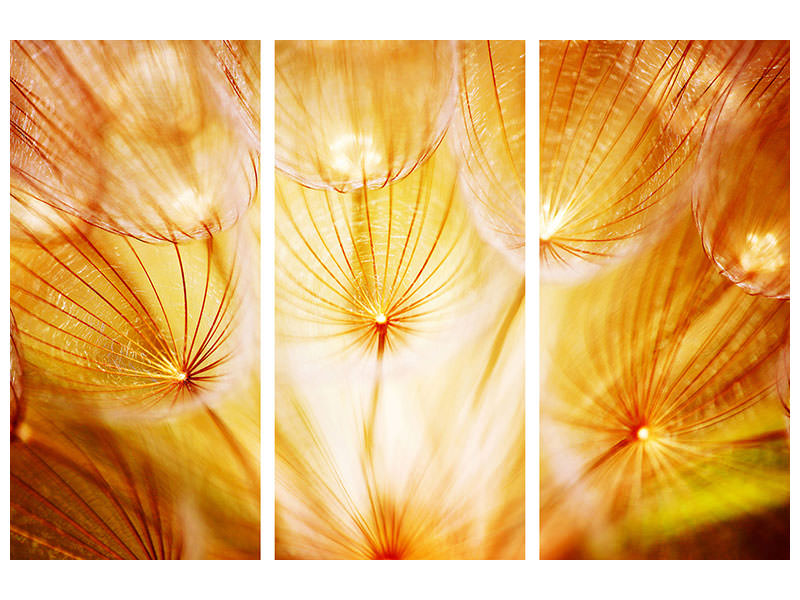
(356, 112)
(598, 203)
(636, 448)
(157, 109)
(741, 197)
(375, 267)
(128, 359)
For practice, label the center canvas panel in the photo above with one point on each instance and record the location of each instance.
(400, 294)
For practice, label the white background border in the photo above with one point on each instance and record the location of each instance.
(420, 19)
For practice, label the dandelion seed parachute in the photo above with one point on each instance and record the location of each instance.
(490, 134)
(140, 138)
(436, 472)
(619, 127)
(686, 355)
(376, 272)
(77, 493)
(113, 326)
(352, 114)
(741, 194)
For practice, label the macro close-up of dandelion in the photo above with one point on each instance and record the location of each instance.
(395, 318)
(664, 325)
(135, 292)
(400, 294)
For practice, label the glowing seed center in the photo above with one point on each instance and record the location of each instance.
(380, 319)
(182, 376)
(643, 433)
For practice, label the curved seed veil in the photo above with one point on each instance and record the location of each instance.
(620, 123)
(240, 63)
(140, 138)
(115, 326)
(79, 493)
(741, 194)
(354, 114)
(490, 130)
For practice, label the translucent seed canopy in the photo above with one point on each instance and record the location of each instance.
(135, 330)
(374, 270)
(619, 127)
(489, 131)
(140, 138)
(352, 114)
(81, 494)
(741, 193)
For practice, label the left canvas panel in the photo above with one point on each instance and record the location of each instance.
(135, 234)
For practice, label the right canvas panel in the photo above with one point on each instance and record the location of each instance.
(664, 325)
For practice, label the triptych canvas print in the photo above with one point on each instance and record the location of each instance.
(399, 350)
